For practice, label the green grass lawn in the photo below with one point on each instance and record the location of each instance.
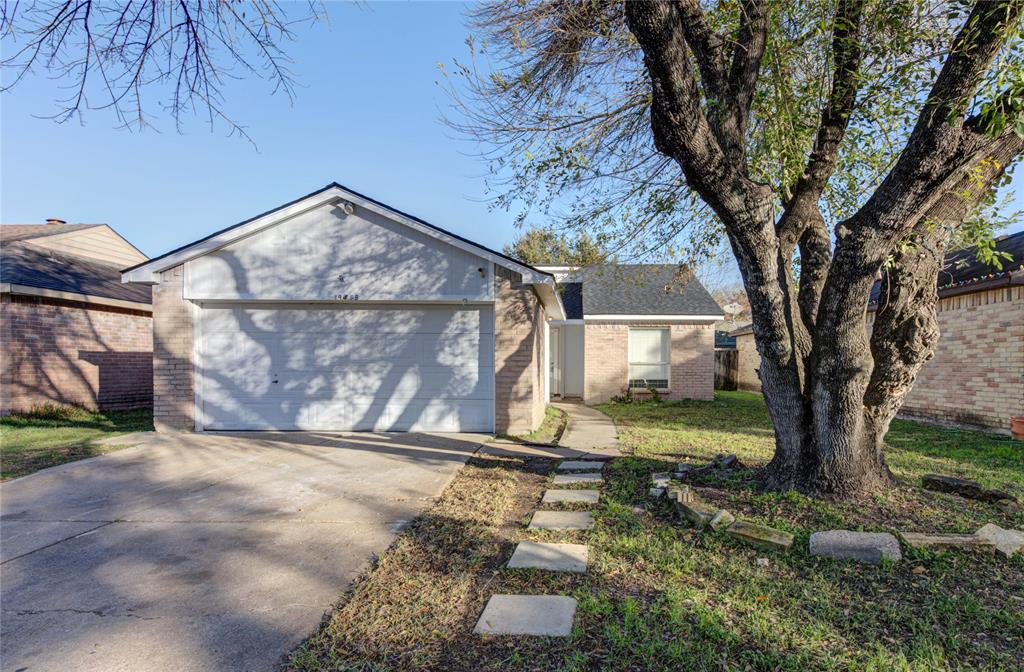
(55, 435)
(550, 430)
(662, 596)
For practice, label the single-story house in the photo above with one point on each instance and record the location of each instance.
(71, 332)
(976, 376)
(339, 312)
(636, 326)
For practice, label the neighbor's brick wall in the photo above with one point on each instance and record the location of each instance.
(606, 360)
(518, 355)
(976, 376)
(66, 352)
(749, 360)
(173, 396)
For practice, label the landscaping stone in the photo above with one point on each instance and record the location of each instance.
(867, 547)
(760, 536)
(562, 520)
(964, 488)
(570, 479)
(541, 615)
(551, 557)
(697, 512)
(660, 480)
(966, 542)
(680, 493)
(570, 497)
(762, 562)
(656, 493)
(729, 461)
(578, 465)
(721, 520)
(1006, 542)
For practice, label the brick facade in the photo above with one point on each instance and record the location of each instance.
(173, 390)
(519, 376)
(71, 353)
(606, 360)
(976, 376)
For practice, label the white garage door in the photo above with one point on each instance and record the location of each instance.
(382, 368)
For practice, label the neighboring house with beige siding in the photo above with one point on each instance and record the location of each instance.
(636, 326)
(70, 332)
(976, 376)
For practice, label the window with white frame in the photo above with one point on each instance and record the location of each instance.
(648, 358)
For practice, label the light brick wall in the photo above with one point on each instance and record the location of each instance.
(749, 360)
(976, 376)
(606, 360)
(518, 356)
(173, 395)
(65, 352)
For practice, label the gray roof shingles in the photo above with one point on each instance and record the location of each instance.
(31, 266)
(636, 289)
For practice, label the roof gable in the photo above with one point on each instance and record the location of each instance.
(333, 193)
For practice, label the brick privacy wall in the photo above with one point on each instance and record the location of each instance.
(606, 360)
(71, 353)
(173, 390)
(518, 355)
(749, 360)
(976, 376)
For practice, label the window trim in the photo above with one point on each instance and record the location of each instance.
(668, 357)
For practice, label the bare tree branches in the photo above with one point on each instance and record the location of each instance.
(111, 54)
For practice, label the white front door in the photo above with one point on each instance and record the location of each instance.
(366, 367)
(555, 344)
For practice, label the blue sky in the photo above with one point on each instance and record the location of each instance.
(366, 115)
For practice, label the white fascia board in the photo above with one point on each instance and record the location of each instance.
(147, 272)
(550, 298)
(654, 318)
(559, 323)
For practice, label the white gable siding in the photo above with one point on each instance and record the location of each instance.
(324, 254)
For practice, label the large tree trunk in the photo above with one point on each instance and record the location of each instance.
(831, 389)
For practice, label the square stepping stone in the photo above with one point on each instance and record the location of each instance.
(562, 520)
(578, 465)
(570, 479)
(570, 496)
(540, 615)
(552, 557)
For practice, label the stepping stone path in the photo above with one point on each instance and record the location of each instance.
(541, 615)
(553, 557)
(570, 497)
(562, 520)
(577, 465)
(547, 615)
(571, 479)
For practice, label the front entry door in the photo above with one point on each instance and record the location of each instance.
(556, 361)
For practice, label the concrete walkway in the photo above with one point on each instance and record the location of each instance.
(589, 431)
(195, 552)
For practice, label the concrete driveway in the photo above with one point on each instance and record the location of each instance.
(202, 552)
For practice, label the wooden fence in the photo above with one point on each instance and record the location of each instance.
(727, 369)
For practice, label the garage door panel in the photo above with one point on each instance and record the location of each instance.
(366, 368)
